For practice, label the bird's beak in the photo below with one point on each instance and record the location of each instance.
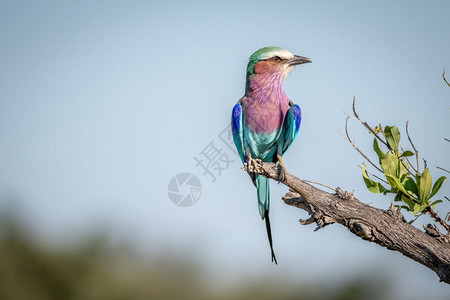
(298, 60)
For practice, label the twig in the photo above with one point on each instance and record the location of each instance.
(385, 138)
(409, 163)
(445, 79)
(356, 147)
(376, 135)
(406, 167)
(375, 175)
(424, 163)
(318, 183)
(445, 170)
(365, 123)
(349, 115)
(414, 147)
(413, 220)
(447, 140)
(437, 218)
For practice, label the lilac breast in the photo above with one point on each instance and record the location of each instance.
(264, 115)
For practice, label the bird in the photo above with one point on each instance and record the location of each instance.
(265, 121)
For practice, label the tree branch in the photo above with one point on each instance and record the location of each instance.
(386, 228)
(445, 170)
(356, 147)
(445, 79)
(414, 147)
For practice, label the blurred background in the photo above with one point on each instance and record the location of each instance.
(110, 112)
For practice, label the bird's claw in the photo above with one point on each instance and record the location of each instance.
(281, 173)
(281, 170)
(253, 164)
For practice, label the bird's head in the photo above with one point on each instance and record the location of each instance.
(272, 61)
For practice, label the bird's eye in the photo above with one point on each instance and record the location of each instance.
(276, 58)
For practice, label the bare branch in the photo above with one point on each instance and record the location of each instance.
(445, 79)
(386, 228)
(385, 138)
(445, 170)
(379, 178)
(376, 135)
(356, 147)
(373, 131)
(438, 219)
(365, 123)
(415, 150)
(410, 164)
(406, 167)
(321, 184)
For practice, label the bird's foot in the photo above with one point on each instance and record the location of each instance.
(281, 170)
(253, 164)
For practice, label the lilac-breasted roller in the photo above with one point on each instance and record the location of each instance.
(265, 122)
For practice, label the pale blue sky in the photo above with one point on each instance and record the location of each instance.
(102, 103)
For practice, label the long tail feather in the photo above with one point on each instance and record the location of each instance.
(262, 187)
(269, 236)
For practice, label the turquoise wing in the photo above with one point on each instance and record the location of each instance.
(291, 126)
(237, 127)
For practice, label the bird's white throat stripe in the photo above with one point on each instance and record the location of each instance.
(282, 53)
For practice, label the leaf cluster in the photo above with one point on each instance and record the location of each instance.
(413, 189)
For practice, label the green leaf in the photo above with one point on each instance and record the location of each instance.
(373, 186)
(425, 185)
(389, 164)
(411, 186)
(408, 202)
(377, 149)
(416, 209)
(392, 137)
(437, 185)
(407, 153)
(436, 202)
(395, 183)
(403, 170)
(398, 197)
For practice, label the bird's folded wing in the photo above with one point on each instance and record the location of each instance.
(237, 128)
(291, 125)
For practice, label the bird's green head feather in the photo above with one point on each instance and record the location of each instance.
(264, 54)
(275, 60)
